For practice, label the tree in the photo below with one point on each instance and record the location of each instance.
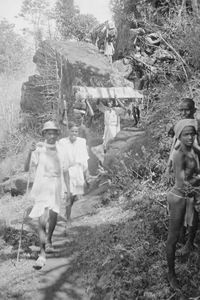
(39, 15)
(12, 48)
(72, 24)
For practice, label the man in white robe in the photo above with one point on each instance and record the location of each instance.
(75, 161)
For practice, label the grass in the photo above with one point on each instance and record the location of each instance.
(12, 141)
(10, 95)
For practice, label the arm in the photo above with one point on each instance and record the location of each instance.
(102, 107)
(67, 181)
(28, 159)
(179, 170)
(120, 103)
(182, 182)
(198, 132)
(120, 110)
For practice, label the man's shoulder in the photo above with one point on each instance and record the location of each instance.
(63, 142)
(198, 124)
(178, 154)
(81, 140)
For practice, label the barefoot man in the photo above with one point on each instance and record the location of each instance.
(181, 197)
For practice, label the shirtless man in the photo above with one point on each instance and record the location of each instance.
(186, 170)
(187, 110)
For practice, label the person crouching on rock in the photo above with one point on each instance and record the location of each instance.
(75, 161)
(181, 197)
(47, 190)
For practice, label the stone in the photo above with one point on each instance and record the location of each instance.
(123, 142)
(16, 185)
(64, 64)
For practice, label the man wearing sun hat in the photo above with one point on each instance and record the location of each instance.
(48, 187)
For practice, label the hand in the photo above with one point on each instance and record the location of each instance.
(68, 195)
(33, 147)
(169, 177)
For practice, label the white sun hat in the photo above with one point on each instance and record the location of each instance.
(50, 125)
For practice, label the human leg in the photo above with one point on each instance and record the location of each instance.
(52, 224)
(42, 232)
(40, 262)
(138, 114)
(69, 206)
(189, 246)
(134, 115)
(177, 207)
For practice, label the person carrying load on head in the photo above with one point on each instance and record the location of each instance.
(47, 192)
(111, 119)
(187, 109)
(181, 197)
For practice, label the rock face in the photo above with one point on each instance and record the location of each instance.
(62, 65)
(16, 185)
(123, 142)
(32, 95)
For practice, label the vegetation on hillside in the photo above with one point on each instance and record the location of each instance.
(126, 259)
(71, 23)
(129, 263)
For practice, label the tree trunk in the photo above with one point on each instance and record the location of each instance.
(183, 8)
(195, 8)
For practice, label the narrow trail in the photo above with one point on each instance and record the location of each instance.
(56, 280)
(60, 278)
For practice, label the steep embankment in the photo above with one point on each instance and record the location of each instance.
(118, 249)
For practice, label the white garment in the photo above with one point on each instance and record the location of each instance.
(109, 49)
(48, 189)
(75, 160)
(112, 125)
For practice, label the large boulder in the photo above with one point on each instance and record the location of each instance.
(61, 65)
(32, 95)
(17, 185)
(123, 142)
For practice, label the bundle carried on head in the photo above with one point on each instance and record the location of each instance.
(182, 124)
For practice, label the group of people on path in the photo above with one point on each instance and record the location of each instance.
(113, 111)
(184, 197)
(60, 168)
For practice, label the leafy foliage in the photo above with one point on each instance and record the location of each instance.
(40, 16)
(71, 23)
(13, 51)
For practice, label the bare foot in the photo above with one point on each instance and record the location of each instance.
(185, 250)
(173, 282)
(40, 262)
(49, 248)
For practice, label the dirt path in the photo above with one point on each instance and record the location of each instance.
(55, 280)
(59, 279)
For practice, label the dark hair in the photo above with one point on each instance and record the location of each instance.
(45, 131)
(72, 124)
(111, 100)
(189, 102)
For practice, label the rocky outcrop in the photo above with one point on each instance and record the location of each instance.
(17, 185)
(123, 142)
(62, 65)
(32, 95)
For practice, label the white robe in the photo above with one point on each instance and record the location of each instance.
(75, 160)
(48, 186)
(112, 125)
